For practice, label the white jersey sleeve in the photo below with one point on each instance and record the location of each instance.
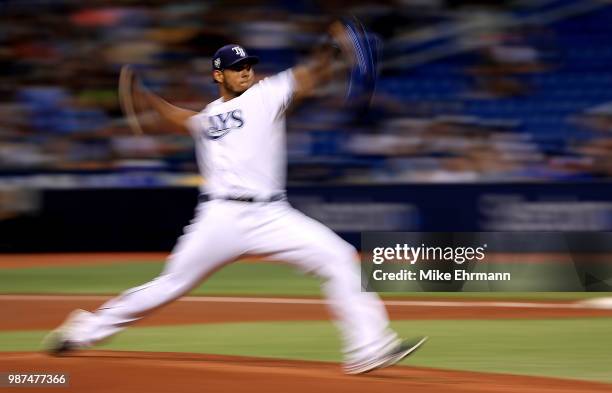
(199, 123)
(196, 124)
(277, 92)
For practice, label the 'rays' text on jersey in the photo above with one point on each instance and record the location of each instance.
(221, 124)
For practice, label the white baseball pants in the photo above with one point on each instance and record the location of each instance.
(224, 231)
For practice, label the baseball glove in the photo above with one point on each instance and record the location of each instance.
(365, 48)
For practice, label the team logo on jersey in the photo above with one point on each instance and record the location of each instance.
(221, 124)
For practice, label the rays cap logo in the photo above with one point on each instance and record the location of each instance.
(231, 55)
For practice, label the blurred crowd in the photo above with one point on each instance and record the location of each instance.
(60, 61)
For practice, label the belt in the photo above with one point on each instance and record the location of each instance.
(280, 196)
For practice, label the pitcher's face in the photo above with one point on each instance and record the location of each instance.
(236, 79)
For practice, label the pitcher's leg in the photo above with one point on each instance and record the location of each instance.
(360, 316)
(210, 242)
(297, 239)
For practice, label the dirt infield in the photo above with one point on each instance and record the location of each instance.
(109, 371)
(8, 261)
(47, 312)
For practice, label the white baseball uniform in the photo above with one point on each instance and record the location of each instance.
(240, 146)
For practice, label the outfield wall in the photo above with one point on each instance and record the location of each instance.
(150, 219)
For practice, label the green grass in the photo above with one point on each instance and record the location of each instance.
(236, 279)
(578, 349)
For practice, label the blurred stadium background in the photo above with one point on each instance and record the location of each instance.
(488, 116)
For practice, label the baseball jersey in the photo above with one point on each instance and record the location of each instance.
(240, 143)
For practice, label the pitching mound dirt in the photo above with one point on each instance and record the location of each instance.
(108, 371)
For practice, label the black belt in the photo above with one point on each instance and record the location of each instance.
(281, 196)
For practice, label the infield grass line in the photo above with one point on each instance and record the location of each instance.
(267, 300)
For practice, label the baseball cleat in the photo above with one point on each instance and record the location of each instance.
(387, 359)
(59, 347)
(57, 342)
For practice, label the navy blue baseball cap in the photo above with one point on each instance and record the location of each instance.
(231, 55)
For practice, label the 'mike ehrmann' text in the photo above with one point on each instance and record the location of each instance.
(437, 275)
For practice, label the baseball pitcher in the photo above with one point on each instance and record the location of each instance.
(240, 146)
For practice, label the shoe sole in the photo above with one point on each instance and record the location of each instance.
(387, 361)
(396, 358)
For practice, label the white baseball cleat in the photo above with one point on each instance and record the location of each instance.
(58, 341)
(387, 359)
